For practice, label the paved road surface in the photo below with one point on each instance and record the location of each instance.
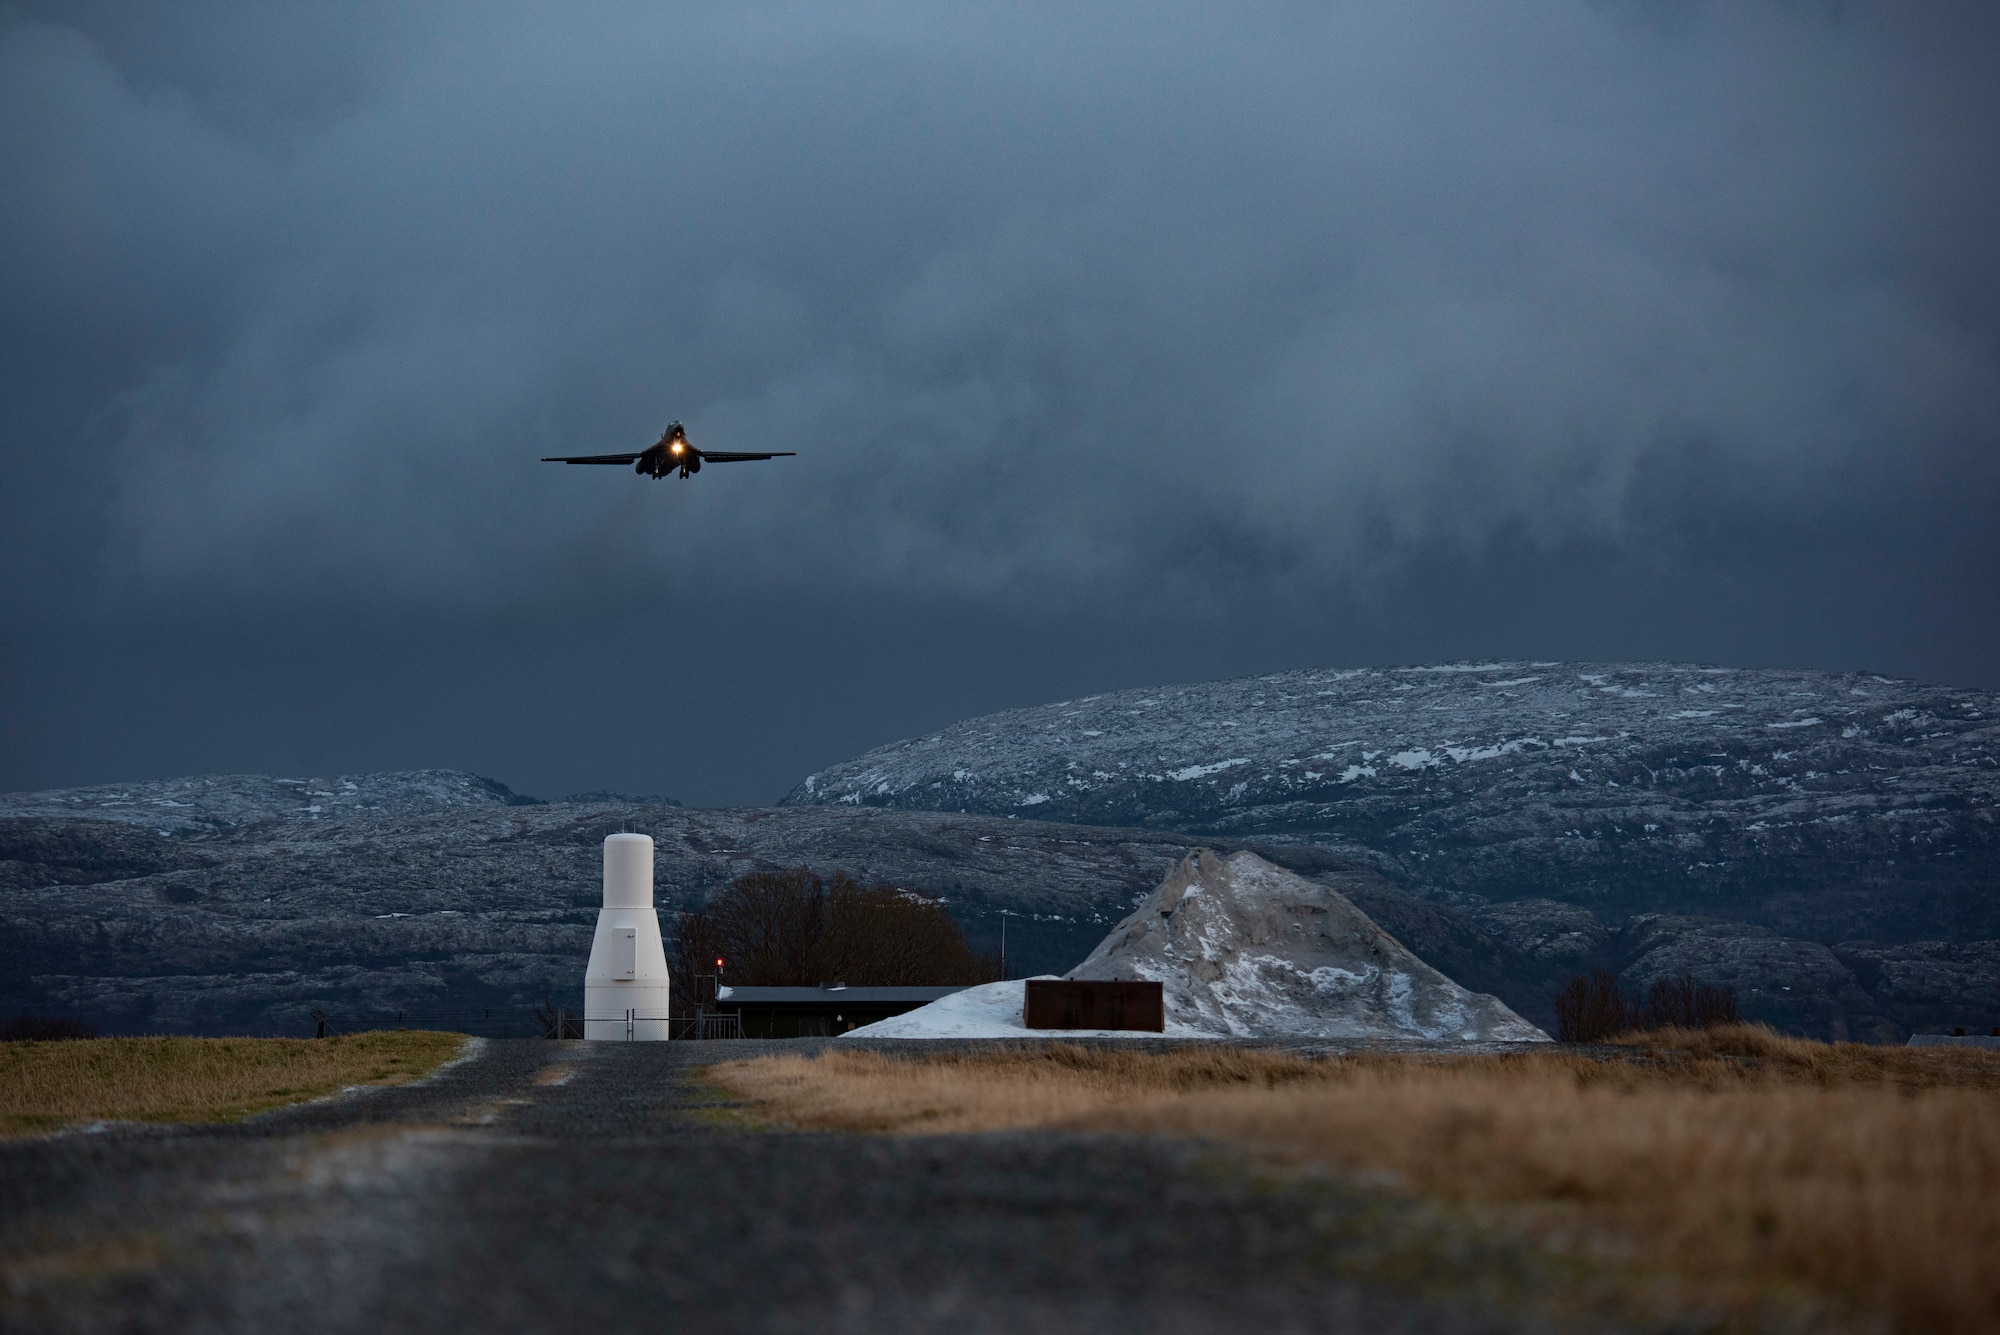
(593, 1187)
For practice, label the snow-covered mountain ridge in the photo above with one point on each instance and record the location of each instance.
(1826, 805)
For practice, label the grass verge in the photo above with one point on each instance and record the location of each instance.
(1745, 1165)
(46, 1086)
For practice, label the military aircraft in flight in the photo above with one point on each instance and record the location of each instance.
(672, 451)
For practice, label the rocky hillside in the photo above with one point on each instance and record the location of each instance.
(242, 903)
(209, 803)
(1825, 841)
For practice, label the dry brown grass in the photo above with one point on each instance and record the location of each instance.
(46, 1086)
(1743, 1162)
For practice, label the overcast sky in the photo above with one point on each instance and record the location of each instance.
(1120, 345)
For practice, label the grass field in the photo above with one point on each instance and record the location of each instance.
(1746, 1168)
(46, 1086)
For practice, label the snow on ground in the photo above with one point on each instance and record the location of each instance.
(992, 1010)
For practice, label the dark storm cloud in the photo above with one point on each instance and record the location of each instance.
(1066, 299)
(1083, 308)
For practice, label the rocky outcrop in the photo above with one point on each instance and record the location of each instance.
(1246, 949)
(1799, 986)
(1566, 937)
(1932, 986)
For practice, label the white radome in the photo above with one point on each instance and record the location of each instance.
(625, 984)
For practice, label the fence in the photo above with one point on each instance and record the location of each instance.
(706, 1025)
(632, 1025)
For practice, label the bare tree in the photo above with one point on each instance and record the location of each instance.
(1670, 1004)
(883, 936)
(771, 927)
(1590, 1009)
(792, 929)
(1682, 1003)
(698, 950)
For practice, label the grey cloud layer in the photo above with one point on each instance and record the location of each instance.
(1053, 303)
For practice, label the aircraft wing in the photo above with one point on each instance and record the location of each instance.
(593, 459)
(722, 457)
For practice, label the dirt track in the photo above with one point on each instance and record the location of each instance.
(545, 1186)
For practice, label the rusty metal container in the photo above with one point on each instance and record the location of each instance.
(1095, 1003)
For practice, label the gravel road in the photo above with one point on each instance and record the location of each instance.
(572, 1186)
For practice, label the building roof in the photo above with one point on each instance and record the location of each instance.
(829, 995)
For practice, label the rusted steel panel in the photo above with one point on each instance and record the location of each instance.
(1095, 1003)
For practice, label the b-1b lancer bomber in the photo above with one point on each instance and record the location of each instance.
(672, 451)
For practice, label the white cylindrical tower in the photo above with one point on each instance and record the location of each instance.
(625, 984)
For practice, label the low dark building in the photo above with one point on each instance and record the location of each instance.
(1095, 1003)
(819, 1012)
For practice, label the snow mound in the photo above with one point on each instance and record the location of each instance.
(1245, 949)
(992, 1010)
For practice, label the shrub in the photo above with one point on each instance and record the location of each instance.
(1591, 1009)
(1682, 1003)
(1715, 1006)
(1669, 1004)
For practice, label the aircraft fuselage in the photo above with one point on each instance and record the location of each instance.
(669, 454)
